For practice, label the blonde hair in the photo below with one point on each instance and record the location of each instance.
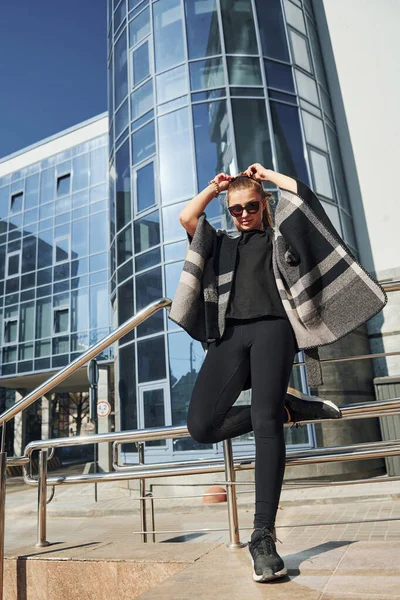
(242, 182)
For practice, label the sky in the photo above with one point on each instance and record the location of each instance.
(53, 67)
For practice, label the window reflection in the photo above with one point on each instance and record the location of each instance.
(121, 119)
(151, 359)
(168, 34)
(142, 100)
(175, 149)
(244, 70)
(314, 130)
(123, 185)
(127, 388)
(288, 140)
(124, 245)
(141, 63)
(149, 288)
(272, 30)
(172, 229)
(145, 192)
(121, 74)
(202, 28)
(252, 141)
(205, 74)
(139, 27)
(143, 143)
(238, 25)
(212, 141)
(171, 84)
(172, 274)
(147, 232)
(279, 76)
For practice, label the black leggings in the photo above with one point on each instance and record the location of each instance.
(266, 348)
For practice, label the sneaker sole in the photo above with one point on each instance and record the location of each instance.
(336, 412)
(268, 575)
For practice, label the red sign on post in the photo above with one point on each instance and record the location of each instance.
(103, 408)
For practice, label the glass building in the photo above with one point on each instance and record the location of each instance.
(197, 87)
(54, 260)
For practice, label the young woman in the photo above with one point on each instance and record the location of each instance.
(258, 341)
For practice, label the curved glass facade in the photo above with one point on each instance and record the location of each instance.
(197, 87)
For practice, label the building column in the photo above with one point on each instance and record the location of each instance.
(19, 426)
(104, 423)
(46, 417)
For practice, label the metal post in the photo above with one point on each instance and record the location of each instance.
(142, 494)
(231, 497)
(153, 527)
(42, 500)
(3, 464)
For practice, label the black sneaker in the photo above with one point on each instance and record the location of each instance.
(301, 407)
(267, 564)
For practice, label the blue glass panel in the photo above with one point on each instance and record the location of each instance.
(139, 27)
(279, 76)
(250, 115)
(163, 109)
(127, 389)
(121, 119)
(99, 277)
(124, 245)
(78, 200)
(244, 70)
(168, 34)
(175, 251)
(80, 170)
(80, 310)
(151, 359)
(238, 25)
(32, 191)
(172, 274)
(125, 306)
(79, 267)
(140, 63)
(148, 259)
(175, 149)
(29, 254)
(47, 186)
(288, 141)
(291, 99)
(171, 84)
(123, 186)
(119, 15)
(272, 30)
(98, 165)
(63, 185)
(4, 201)
(202, 28)
(110, 86)
(121, 72)
(99, 306)
(125, 271)
(98, 193)
(172, 229)
(143, 143)
(98, 236)
(142, 100)
(212, 140)
(98, 262)
(45, 212)
(80, 238)
(247, 91)
(147, 232)
(206, 74)
(145, 192)
(16, 202)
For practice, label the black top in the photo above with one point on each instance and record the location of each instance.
(254, 292)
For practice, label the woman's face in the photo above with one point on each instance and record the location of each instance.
(247, 221)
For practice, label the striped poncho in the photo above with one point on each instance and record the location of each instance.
(325, 292)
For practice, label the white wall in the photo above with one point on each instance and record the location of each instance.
(364, 37)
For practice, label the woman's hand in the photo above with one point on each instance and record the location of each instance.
(223, 181)
(257, 171)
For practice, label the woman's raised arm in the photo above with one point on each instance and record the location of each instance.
(193, 209)
(283, 181)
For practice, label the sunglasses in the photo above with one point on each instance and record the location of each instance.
(251, 208)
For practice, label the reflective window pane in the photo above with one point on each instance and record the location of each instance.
(172, 274)
(80, 171)
(314, 130)
(139, 28)
(272, 30)
(80, 310)
(127, 387)
(31, 191)
(140, 63)
(148, 289)
(348, 229)
(316, 52)
(142, 100)
(123, 185)
(300, 51)
(168, 34)
(321, 176)
(154, 412)
(175, 251)
(338, 172)
(143, 143)
(61, 320)
(307, 87)
(27, 323)
(147, 232)
(125, 306)
(98, 233)
(124, 245)
(288, 141)
(148, 259)
(238, 25)
(44, 316)
(243, 70)
(121, 119)
(99, 306)
(171, 84)
(145, 192)
(121, 73)
(16, 202)
(205, 74)
(119, 15)
(172, 228)
(175, 149)
(202, 28)
(247, 116)
(151, 359)
(212, 140)
(80, 238)
(333, 215)
(47, 186)
(294, 16)
(63, 185)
